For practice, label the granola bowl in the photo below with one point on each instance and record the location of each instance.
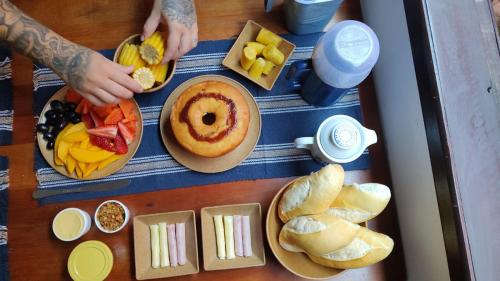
(111, 216)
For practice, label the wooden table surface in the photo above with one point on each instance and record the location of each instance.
(34, 252)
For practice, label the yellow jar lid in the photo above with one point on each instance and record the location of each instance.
(90, 261)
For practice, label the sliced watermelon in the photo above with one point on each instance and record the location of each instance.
(131, 126)
(89, 123)
(120, 145)
(109, 131)
(125, 133)
(114, 117)
(97, 120)
(103, 143)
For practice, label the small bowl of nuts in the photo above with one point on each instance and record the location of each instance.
(111, 216)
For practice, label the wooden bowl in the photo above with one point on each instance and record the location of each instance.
(297, 263)
(97, 174)
(136, 39)
(249, 33)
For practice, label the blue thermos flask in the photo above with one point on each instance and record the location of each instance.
(342, 58)
(307, 16)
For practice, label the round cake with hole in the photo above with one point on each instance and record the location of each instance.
(210, 118)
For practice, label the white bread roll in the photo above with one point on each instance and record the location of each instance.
(317, 234)
(312, 194)
(358, 203)
(367, 248)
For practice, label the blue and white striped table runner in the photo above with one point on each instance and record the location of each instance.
(6, 109)
(4, 200)
(285, 116)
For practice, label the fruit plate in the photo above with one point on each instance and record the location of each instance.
(297, 263)
(136, 39)
(48, 155)
(204, 164)
(249, 33)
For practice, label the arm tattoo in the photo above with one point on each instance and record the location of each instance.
(182, 11)
(25, 35)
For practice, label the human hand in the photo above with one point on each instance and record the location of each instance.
(180, 17)
(100, 80)
(496, 8)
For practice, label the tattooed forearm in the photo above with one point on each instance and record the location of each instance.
(25, 35)
(181, 11)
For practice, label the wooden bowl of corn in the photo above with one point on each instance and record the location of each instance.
(146, 58)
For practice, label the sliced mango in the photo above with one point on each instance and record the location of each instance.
(75, 128)
(59, 137)
(85, 143)
(82, 166)
(78, 136)
(90, 168)
(105, 163)
(79, 172)
(89, 156)
(70, 164)
(62, 151)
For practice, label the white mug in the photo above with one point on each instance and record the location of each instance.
(339, 139)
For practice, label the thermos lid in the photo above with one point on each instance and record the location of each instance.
(346, 54)
(342, 138)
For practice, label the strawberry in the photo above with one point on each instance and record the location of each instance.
(125, 133)
(108, 131)
(103, 143)
(88, 121)
(97, 120)
(120, 145)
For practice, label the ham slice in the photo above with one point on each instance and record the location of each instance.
(238, 235)
(247, 238)
(172, 244)
(180, 233)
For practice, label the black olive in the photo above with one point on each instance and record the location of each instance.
(48, 136)
(51, 114)
(69, 106)
(57, 105)
(42, 128)
(68, 115)
(51, 122)
(60, 115)
(76, 119)
(50, 144)
(60, 126)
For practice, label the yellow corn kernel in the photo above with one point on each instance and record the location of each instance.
(159, 72)
(152, 48)
(257, 68)
(248, 58)
(145, 77)
(274, 55)
(266, 37)
(258, 47)
(130, 56)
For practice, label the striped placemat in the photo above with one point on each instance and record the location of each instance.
(285, 116)
(6, 108)
(4, 200)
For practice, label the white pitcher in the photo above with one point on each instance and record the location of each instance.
(339, 139)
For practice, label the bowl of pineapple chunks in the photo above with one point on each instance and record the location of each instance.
(146, 57)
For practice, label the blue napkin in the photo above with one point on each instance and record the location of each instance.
(6, 109)
(4, 200)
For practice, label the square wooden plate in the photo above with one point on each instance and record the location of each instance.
(210, 259)
(142, 248)
(249, 33)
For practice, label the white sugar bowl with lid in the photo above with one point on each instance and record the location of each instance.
(339, 139)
